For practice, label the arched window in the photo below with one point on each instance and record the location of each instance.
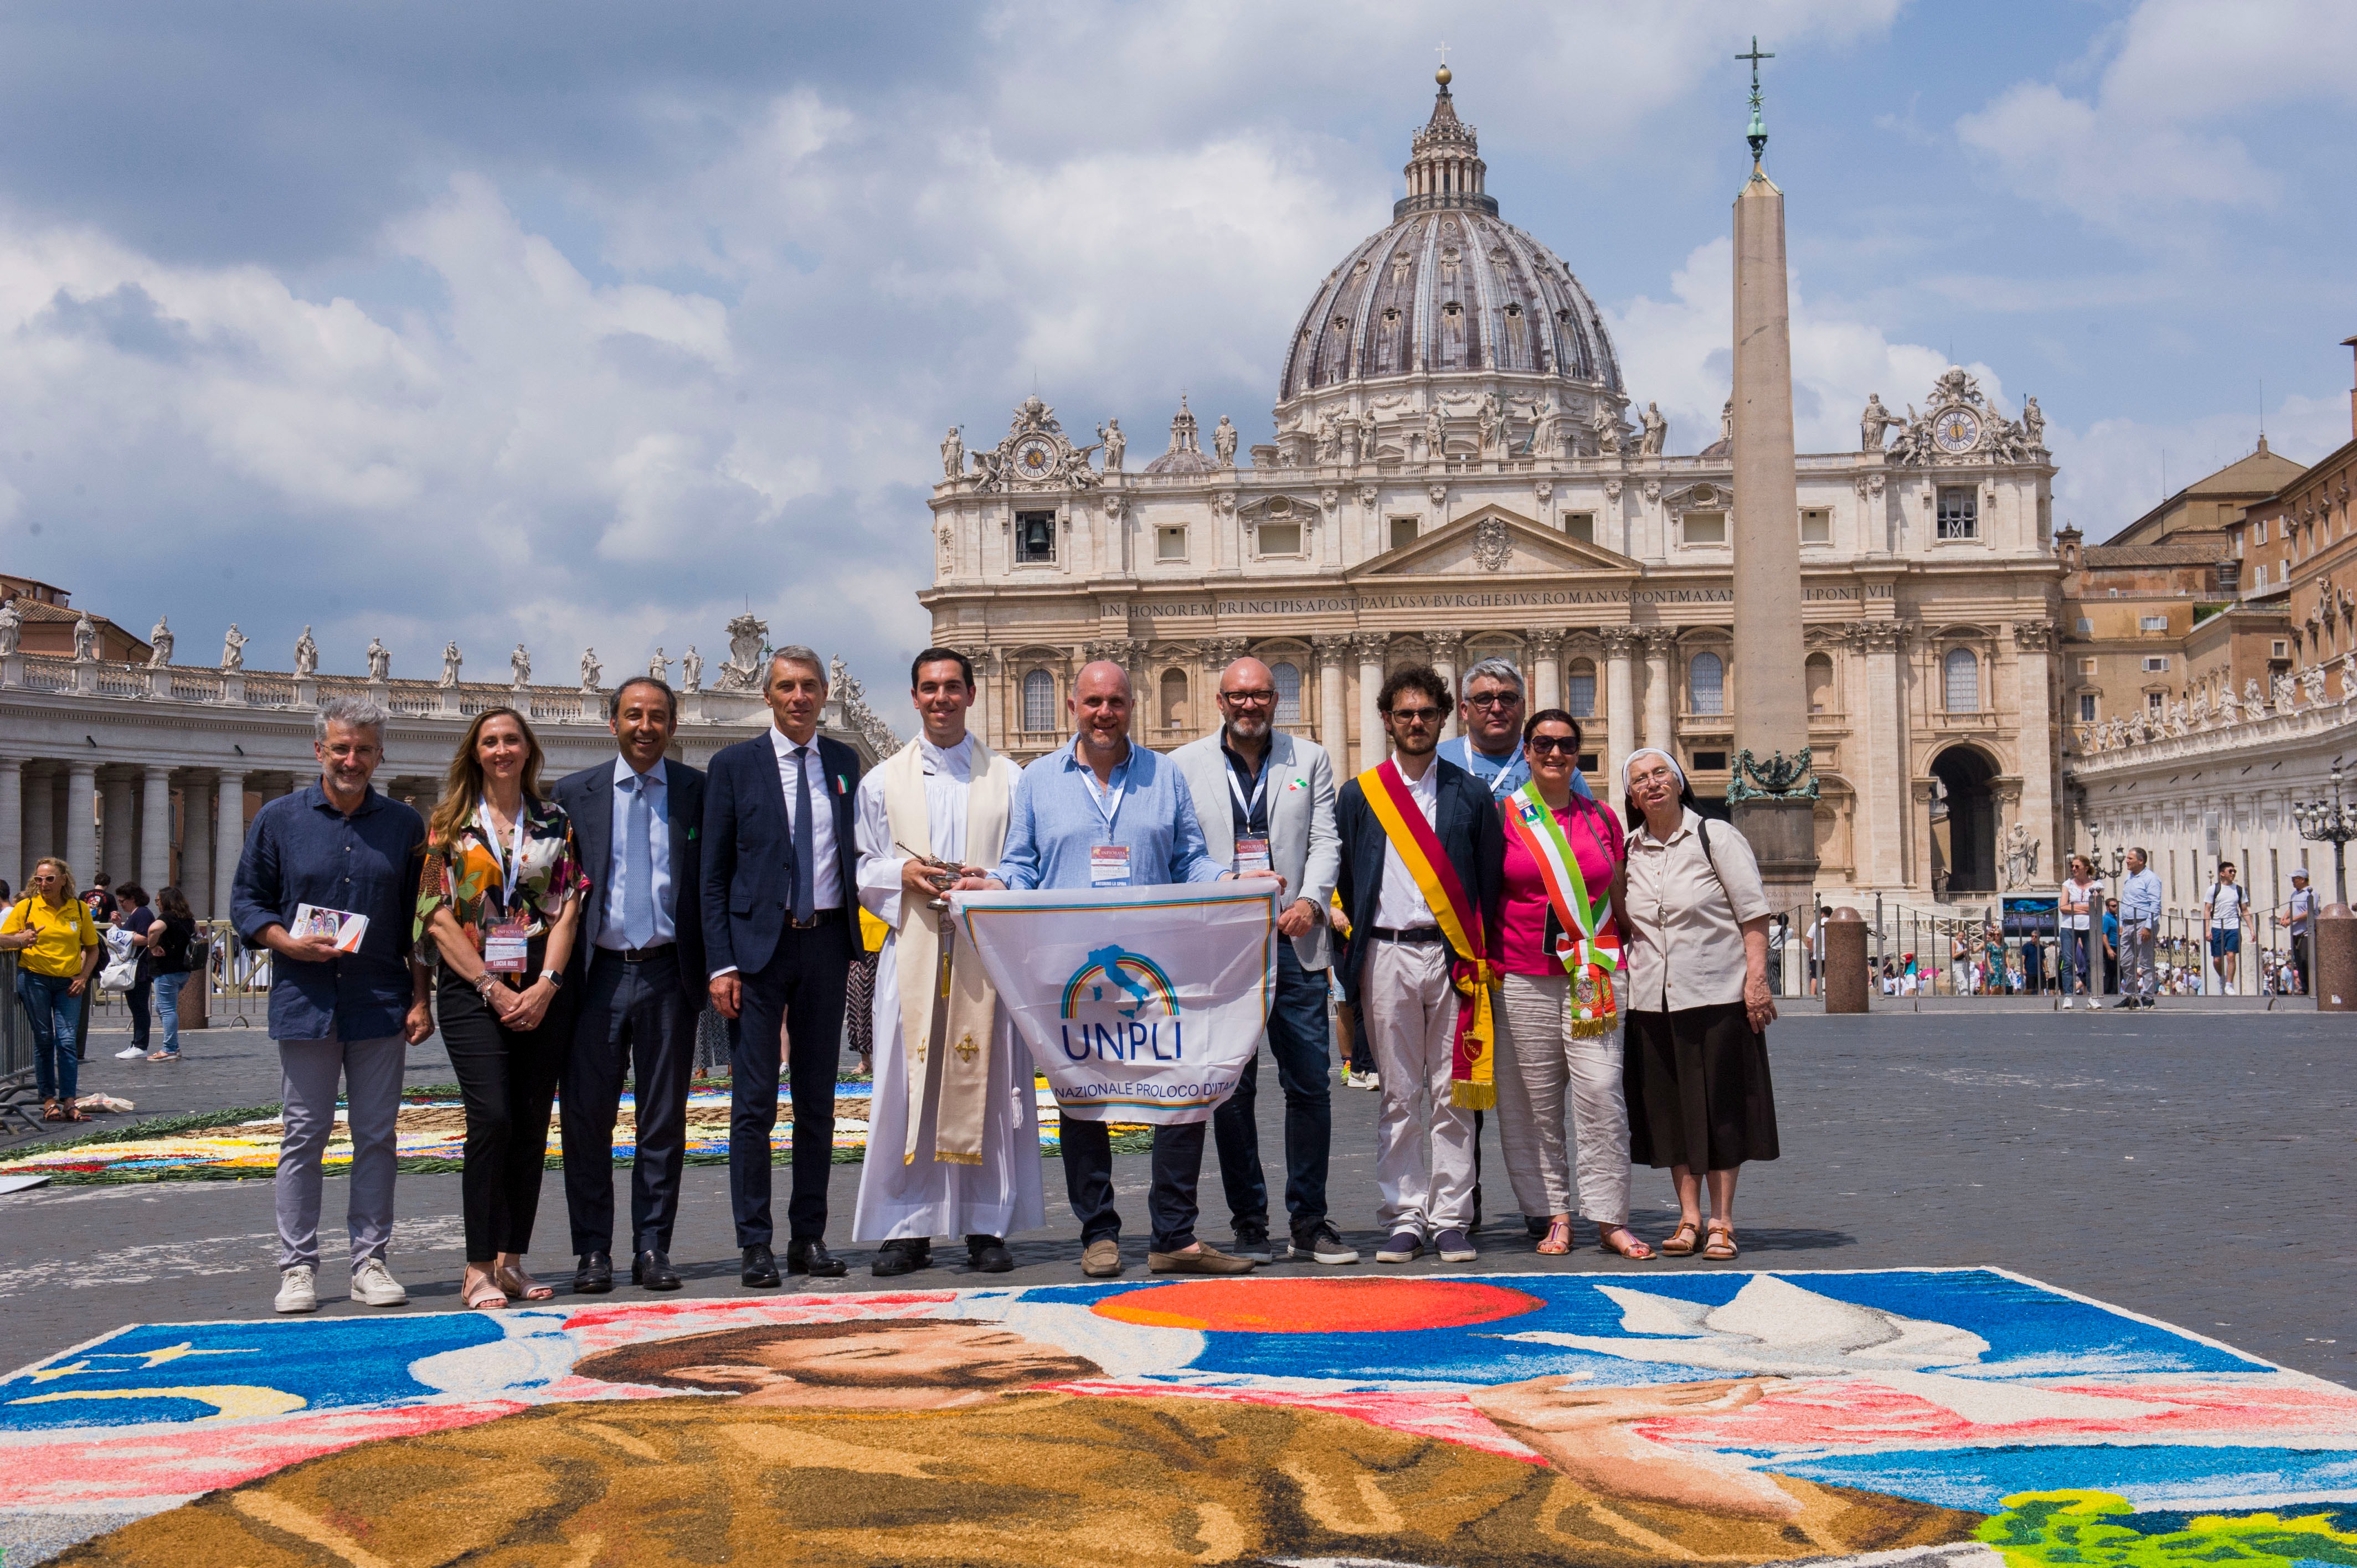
(1579, 692)
(1707, 684)
(1174, 700)
(1287, 677)
(1821, 682)
(1039, 702)
(1963, 680)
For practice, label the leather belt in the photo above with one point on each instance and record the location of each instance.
(824, 917)
(643, 955)
(1411, 934)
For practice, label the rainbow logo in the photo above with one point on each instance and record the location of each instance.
(1137, 977)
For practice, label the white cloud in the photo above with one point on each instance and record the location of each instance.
(2114, 471)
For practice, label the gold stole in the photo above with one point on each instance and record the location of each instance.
(963, 1067)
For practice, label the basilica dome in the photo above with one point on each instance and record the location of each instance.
(1451, 293)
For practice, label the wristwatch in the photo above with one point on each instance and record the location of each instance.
(555, 979)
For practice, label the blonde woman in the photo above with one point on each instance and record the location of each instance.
(59, 946)
(500, 898)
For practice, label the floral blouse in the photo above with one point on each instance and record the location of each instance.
(466, 875)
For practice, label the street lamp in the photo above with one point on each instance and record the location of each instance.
(2331, 823)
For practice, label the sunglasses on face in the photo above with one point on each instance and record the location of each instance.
(1547, 745)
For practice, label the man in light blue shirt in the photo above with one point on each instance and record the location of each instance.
(1103, 813)
(2140, 895)
(1490, 713)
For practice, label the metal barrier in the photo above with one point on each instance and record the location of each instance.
(18, 1086)
(237, 981)
(1963, 951)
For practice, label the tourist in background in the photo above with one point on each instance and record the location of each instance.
(57, 947)
(2082, 926)
(100, 901)
(2111, 948)
(339, 1012)
(637, 979)
(2140, 895)
(135, 919)
(1699, 1096)
(2298, 912)
(172, 955)
(1559, 1019)
(1423, 852)
(2222, 912)
(500, 901)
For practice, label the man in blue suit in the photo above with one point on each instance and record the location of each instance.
(781, 925)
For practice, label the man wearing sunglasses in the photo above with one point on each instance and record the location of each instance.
(1491, 715)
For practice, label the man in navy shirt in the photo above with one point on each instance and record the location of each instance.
(338, 1010)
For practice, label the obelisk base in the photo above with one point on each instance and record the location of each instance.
(1784, 836)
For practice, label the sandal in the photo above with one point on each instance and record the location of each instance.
(1633, 1248)
(1558, 1236)
(1722, 1245)
(1683, 1241)
(487, 1296)
(518, 1283)
(49, 1112)
(72, 1112)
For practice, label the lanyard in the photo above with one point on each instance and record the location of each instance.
(1499, 788)
(510, 859)
(1251, 807)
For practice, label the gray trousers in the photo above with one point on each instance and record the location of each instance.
(308, 1072)
(2139, 976)
(1540, 1065)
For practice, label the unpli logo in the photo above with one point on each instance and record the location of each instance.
(1120, 1006)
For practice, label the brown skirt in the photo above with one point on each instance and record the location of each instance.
(1697, 1085)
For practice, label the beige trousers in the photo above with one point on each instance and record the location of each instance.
(1424, 1144)
(1538, 1058)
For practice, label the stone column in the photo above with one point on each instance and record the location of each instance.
(155, 830)
(1372, 747)
(1333, 733)
(1448, 652)
(40, 821)
(120, 856)
(12, 820)
(1546, 668)
(229, 838)
(197, 843)
(1620, 698)
(80, 830)
(1661, 704)
(1886, 793)
(2033, 642)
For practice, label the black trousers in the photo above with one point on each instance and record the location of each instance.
(1088, 1181)
(800, 988)
(1297, 1039)
(507, 1081)
(634, 1019)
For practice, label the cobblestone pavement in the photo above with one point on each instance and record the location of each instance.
(2175, 1164)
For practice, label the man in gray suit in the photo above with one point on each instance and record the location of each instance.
(1278, 795)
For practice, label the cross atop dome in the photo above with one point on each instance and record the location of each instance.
(1444, 165)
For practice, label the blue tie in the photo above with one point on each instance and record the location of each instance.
(638, 870)
(806, 842)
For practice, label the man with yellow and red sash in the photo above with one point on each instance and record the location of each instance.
(1423, 865)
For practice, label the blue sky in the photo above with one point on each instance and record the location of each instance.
(595, 323)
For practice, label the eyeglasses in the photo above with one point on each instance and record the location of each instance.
(1259, 699)
(1415, 715)
(1495, 700)
(1544, 745)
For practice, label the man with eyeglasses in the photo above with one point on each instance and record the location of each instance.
(1279, 813)
(1491, 716)
(1424, 856)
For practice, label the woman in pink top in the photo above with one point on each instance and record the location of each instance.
(1559, 1022)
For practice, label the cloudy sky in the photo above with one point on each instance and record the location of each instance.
(598, 322)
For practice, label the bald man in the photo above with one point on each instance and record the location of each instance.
(1103, 812)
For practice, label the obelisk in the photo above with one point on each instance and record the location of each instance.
(1772, 794)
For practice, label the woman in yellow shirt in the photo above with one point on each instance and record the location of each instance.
(57, 946)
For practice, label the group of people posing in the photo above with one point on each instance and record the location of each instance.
(1500, 940)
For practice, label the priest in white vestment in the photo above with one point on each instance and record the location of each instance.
(953, 1131)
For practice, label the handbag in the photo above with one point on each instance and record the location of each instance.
(121, 969)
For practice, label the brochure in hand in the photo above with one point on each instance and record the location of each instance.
(339, 926)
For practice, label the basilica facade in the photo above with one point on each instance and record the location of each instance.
(1460, 472)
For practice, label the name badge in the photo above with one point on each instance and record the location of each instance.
(1109, 866)
(506, 949)
(1252, 855)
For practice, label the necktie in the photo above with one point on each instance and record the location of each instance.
(805, 841)
(638, 870)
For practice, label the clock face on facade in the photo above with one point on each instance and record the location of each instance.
(1956, 430)
(1034, 458)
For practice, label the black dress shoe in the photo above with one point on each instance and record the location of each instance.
(811, 1257)
(595, 1275)
(903, 1257)
(760, 1268)
(652, 1269)
(988, 1255)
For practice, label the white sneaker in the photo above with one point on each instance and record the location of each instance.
(2066, 1004)
(295, 1291)
(374, 1286)
(130, 1053)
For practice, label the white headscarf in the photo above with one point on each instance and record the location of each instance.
(1630, 761)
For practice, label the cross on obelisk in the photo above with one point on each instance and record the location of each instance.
(1773, 800)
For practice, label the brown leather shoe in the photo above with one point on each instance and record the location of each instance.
(1101, 1260)
(1205, 1260)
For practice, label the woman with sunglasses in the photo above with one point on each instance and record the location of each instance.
(1559, 1025)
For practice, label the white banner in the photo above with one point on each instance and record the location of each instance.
(1140, 1004)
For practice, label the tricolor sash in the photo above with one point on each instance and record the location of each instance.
(1472, 1081)
(1584, 938)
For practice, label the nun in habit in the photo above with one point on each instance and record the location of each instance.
(954, 1131)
